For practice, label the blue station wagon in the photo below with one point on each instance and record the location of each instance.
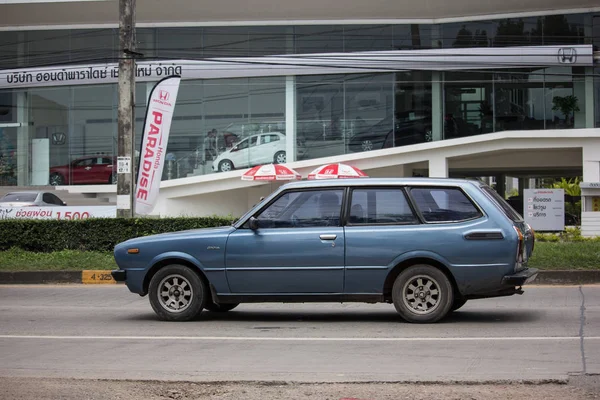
(426, 245)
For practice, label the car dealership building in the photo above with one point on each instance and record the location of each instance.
(431, 88)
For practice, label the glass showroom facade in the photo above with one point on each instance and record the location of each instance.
(221, 124)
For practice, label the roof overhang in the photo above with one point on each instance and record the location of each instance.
(52, 14)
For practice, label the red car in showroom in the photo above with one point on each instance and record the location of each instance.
(85, 170)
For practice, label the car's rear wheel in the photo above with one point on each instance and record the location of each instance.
(367, 145)
(422, 294)
(56, 179)
(220, 308)
(177, 293)
(225, 166)
(279, 157)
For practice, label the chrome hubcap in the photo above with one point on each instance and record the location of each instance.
(421, 294)
(175, 293)
(367, 145)
(225, 167)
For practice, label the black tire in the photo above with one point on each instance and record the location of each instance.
(220, 308)
(279, 158)
(226, 166)
(192, 304)
(425, 279)
(458, 303)
(56, 179)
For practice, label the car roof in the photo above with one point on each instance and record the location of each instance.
(26, 192)
(379, 182)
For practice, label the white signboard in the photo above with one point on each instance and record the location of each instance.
(123, 165)
(157, 126)
(544, 209)
(58, 213)
(307, 64)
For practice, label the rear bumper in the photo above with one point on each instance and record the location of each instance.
(119, 275)
(523, 277)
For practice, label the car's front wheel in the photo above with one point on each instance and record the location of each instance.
(225, 166)
(422, 294)
(56, 179)
(177, 293)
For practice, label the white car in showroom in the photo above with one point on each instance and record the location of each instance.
(263, 148)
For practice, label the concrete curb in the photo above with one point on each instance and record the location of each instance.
(566, 277)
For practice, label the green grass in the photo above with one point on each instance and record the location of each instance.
(547, 255)
(66, 260)
(566, 255)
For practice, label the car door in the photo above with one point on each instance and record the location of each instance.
(381, 226)
(81, 171)
(101, 170)
(297, 248)
(267, 148)
(239, 154)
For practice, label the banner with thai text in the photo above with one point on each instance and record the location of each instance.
(58, 213)
(159, 113)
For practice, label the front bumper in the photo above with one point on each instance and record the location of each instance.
(119, 275)
(523, 277)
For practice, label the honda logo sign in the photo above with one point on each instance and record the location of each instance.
(567, 55)
(59, 138)
(163, 95)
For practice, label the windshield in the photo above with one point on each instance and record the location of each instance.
(18, 197)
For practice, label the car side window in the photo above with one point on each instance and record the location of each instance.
(444, 204)
(266, 139)
(380, 206)
(85, 162)
(303, 209)
(56, 200)
(253, 140)
(47, 198)
(243, 144)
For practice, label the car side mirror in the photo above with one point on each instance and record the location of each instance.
(234, 148)
(64, 204)
(253, 223)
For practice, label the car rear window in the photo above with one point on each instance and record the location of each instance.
(444, 204)
(502, 204)
(18, 197)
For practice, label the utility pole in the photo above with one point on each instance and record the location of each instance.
(126, 114)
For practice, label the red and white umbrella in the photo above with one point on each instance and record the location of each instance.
(271, 172)
(336, 171)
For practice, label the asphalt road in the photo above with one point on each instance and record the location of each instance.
(105, 332)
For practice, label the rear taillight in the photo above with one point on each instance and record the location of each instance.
(520, 247)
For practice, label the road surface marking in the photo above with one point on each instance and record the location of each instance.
(303, 339)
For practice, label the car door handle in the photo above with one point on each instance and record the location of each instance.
(328, 237)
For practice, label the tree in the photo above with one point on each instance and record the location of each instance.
(566, 105)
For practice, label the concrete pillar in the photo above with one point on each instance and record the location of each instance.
(290, 118)
(501, 185)
(591, 160)
(589, 97)
(23, 138)
(437, 106)
(438, 167)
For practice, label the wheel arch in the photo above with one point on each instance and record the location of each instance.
(174, 258)
(417, 260)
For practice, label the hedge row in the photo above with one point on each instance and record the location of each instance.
(92, 234)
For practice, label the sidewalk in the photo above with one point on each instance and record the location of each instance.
(567, 277)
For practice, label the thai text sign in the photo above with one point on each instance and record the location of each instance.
(544, 209)
(58, 213)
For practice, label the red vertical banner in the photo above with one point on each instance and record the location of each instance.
(157, 125)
